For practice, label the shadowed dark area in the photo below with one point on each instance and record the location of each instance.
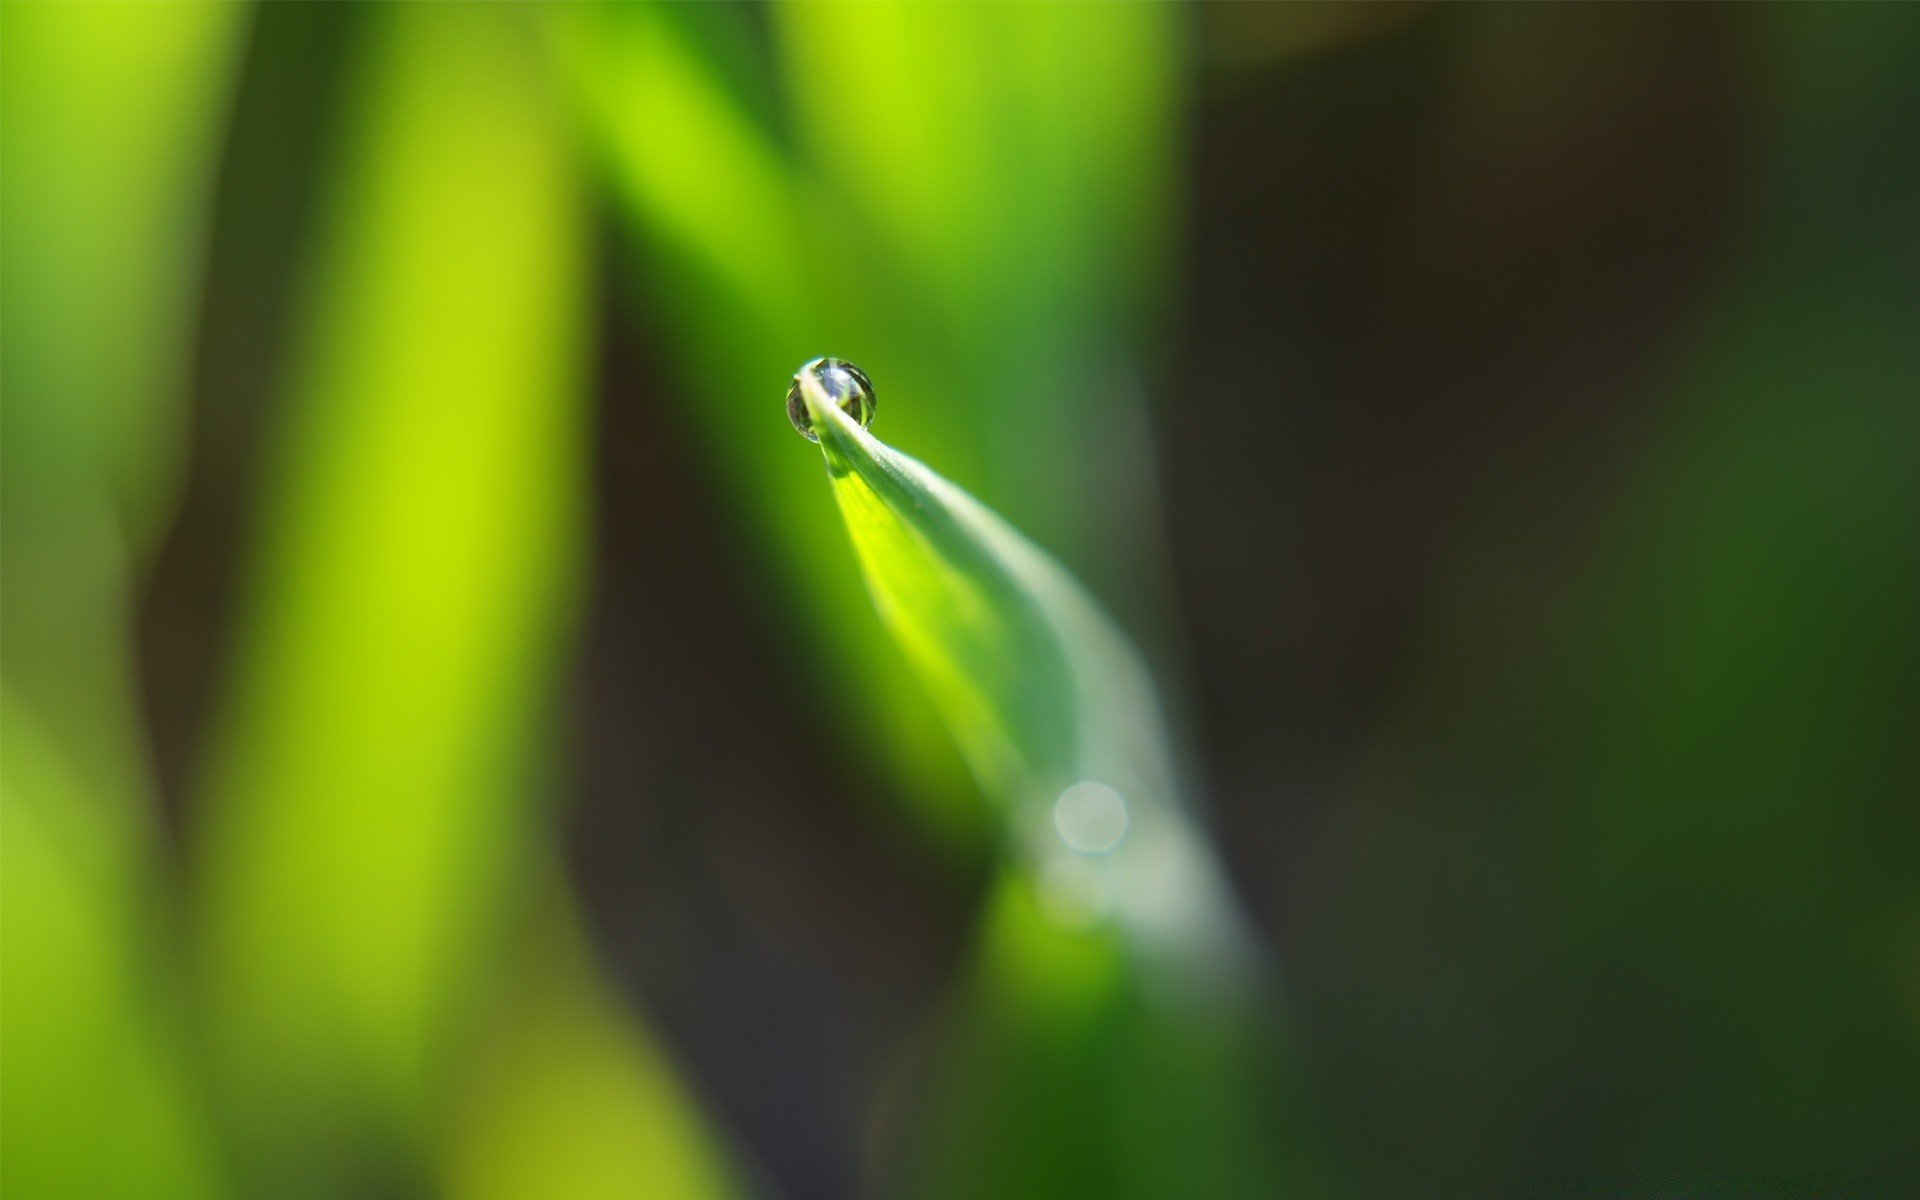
(266, 200)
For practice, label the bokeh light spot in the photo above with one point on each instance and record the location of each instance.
(1090, 817)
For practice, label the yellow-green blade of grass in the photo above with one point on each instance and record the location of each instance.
(1051, 706)
(567, 1093)
(373, 819)
(1114, 1036)
(110, 120)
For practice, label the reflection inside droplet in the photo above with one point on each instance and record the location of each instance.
(844, 384)
(1091, 817)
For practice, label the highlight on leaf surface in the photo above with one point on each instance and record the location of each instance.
(1052, 707)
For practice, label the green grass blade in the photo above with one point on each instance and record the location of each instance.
(1006, 228)
(374, 819)
(111, 118)
(1051, 706)
(1113, 978)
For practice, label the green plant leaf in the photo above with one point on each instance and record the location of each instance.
(112, 119)
(1114, 976)
(378, 777)
(1007, 227)
(1052, 707)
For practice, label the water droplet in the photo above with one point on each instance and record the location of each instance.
(845, 384)
(1091, 817)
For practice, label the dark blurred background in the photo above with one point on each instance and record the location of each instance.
(1499, 424)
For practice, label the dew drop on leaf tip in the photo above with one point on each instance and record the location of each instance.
(842, 382)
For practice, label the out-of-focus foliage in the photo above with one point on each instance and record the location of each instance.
(380, 767)
(567, 1095)
(1760, 645)
(370, 807)
(109, 118)
(417, 562)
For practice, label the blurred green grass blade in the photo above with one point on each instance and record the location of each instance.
(1064, 1073)
(371, 813)
(94, 1046)
(682, 147)
(1051, 706)
(112, 114)
(1009, 226)
(567, 1095)
(414, 560)
(643, 84)
(110, 117)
